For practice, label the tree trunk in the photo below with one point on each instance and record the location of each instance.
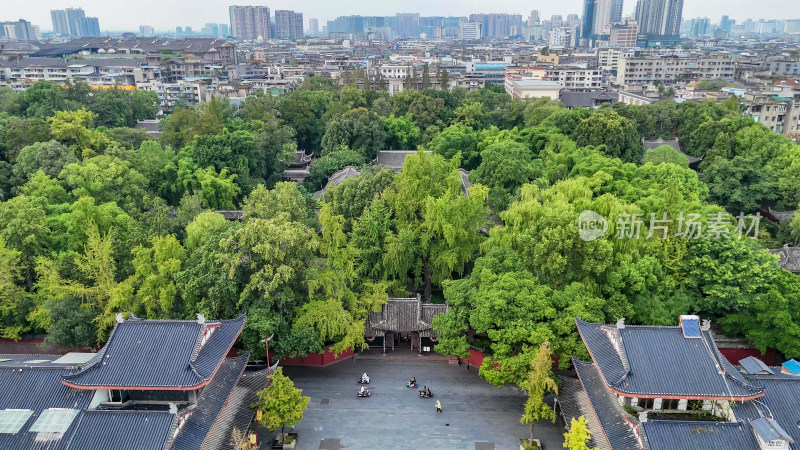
(530, 427)
(29, 279)
(426, 275)
(283, 434)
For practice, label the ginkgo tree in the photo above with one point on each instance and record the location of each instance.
(282, 403)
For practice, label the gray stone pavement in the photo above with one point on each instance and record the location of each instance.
(476, 414)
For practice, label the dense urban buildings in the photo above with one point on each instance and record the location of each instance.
(598, 202)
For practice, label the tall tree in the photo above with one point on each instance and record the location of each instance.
(282, 403)
(538, 384)
(437, 226)
(15, 302)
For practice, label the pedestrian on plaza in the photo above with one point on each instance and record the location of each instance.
(438, 406)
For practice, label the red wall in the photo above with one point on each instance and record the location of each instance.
(734, 355)
(316, 359)
(475, 358)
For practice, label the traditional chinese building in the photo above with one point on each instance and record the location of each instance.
(670, 388)
(404, 316)
(156, 384)
(299, 169)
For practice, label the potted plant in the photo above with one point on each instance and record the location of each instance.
(282, 404)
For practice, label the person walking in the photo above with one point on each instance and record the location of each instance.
(438, 406)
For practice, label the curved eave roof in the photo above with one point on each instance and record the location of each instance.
(158, 355)
(658, 362)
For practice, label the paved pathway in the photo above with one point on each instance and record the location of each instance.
(475, 412)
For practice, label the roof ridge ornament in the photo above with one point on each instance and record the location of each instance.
(620, 323)
(201, 318)
(706, 325)
(120, 318)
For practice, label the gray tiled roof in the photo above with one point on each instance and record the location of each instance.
(404, 314)
(781, 402)
(159, 354)
(616, 430)
(674, 143)
(121, 430)
(337, 177)
(236, 214)
(689, 435)
(394, 159)
(237, 413)
(789, 258)
(660, 361)
(210, 403)
(37, 389)
(575, 403)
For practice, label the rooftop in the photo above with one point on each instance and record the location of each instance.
(159, 354)
(680, 368)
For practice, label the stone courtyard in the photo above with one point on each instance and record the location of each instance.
(476, 414)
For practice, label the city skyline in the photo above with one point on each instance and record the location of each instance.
(128, 17)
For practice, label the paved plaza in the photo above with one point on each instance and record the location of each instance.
(476, 414)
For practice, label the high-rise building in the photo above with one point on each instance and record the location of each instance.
(76, 20)
(60, 24)
(471, 31)
(533, 19)
(249, 22)
(73, 22)
(92, 25)
(659, 19)
(313, 27)
(700, 26)
(556, 20)
(178, 30)
(726, 24)
(498, 25)
(223, 29)
(588, 19)
(21, 29)
(288, 24)
(146, 30)
(606, 13)
(407, 25)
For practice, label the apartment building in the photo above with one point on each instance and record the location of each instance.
(576, 79)
(778, 111)
(608, 58)
(669, 69)
(19, 74)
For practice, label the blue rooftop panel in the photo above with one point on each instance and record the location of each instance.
(792, 366)
(690, 326)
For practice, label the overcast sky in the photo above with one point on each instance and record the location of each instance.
(167, 14)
